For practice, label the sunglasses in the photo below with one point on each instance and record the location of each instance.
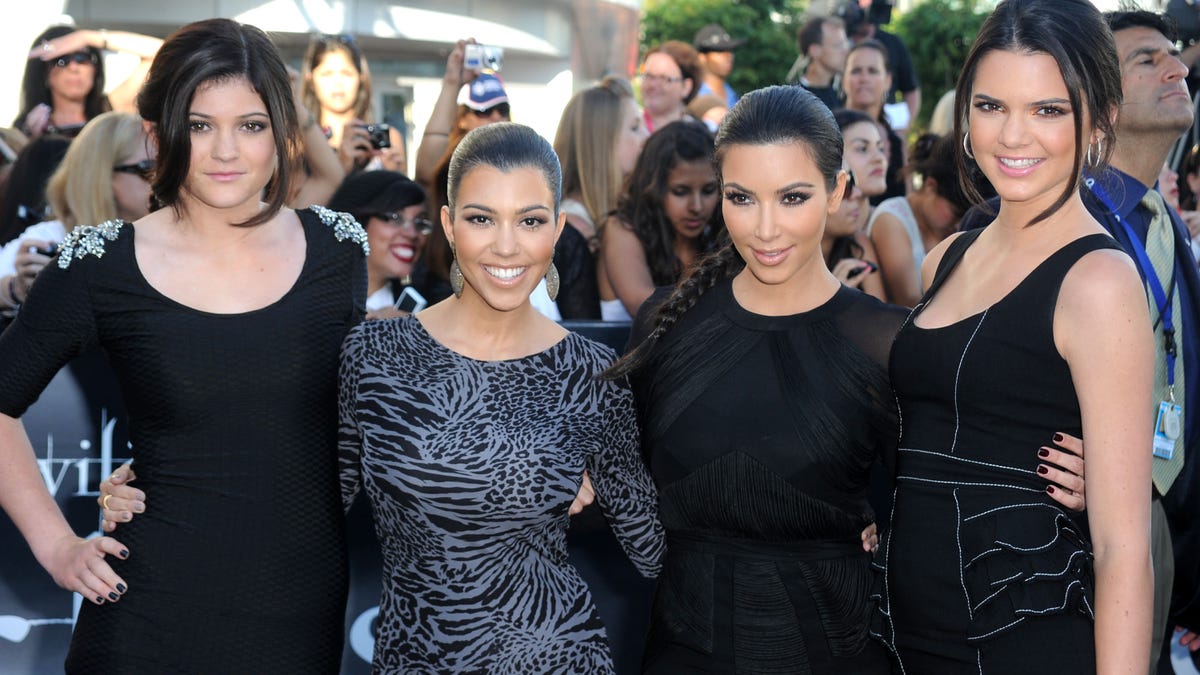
(655, 78)
(421, 225)
(80, 58)
(502, 108)
(143, 168)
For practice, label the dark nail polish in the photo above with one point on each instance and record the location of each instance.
(120, 588)
(99, 600)
(1043, 470)
(124, 553)
(113, 596)
(1043, 453)
(1058, 438)
(1050, 489)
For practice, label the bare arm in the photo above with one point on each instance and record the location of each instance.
(896, 264)
(74, 563)
(1101, 327)
(624, 262)
(436, 137)
(872, 283)
(143, 46)
(325, 172)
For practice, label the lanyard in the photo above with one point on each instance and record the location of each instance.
(1166, 309)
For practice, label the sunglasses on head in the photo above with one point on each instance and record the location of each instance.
(143, 168)
(502, 108)
(77, 57)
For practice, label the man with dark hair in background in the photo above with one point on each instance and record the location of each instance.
(823, 44)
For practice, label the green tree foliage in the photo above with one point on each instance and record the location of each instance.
(939, 34)
(766, 25)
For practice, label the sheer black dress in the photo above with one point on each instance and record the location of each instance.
(761, 432)
(239, 563)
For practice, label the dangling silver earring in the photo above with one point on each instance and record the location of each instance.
(457, 280)
(966, 146)
(552, 281)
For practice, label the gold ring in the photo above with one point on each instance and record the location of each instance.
(104, 502)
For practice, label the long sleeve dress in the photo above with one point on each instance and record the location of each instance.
(470, 467)
(239, 564)
(761, 432)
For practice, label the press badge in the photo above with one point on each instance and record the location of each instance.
(1167, 428)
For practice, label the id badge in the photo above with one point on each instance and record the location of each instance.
(1167, 429)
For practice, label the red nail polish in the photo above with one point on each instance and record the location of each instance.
(1043, 453)
(1043, 470)
(1058, 438)
(1050, 489)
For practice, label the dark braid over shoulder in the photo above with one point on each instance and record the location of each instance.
(713, 268)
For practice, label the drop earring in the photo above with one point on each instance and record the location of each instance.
(457, 281)
(552, 281)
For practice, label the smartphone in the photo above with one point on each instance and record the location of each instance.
(49, 251)
(410, 301)
(868, 267)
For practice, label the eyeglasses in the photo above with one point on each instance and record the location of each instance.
(655, 78)
(421, 225)
(78, 57)
(143, 168)
(502, 108)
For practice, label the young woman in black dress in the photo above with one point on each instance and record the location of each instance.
(1031, 326)
(222, 315)
(763, 397)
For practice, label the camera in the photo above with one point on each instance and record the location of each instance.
(481, 57)
(379, 135)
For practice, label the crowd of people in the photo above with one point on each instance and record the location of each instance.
(294, 320)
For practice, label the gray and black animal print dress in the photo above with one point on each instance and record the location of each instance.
(470, 467)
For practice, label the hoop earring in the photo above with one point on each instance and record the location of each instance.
(966, 147)
(1099, 153)
(552, 281)
(457, 280)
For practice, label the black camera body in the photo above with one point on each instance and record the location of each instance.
(379, 135)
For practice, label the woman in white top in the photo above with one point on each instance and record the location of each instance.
(904, 228)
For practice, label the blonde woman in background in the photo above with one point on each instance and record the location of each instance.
(103, 176)
(599, 139)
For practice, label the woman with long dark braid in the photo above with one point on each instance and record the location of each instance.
(763, 396)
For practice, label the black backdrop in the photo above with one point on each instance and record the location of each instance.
(78, 433)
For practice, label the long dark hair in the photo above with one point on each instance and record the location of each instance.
(640, 206)
(505, 146)
(777, 115)
(318, 47)
(210, 51)
(1075, 35)
(35, 83)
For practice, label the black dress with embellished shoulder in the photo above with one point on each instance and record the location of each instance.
(984, 571)
(239, 563)
(760, 432)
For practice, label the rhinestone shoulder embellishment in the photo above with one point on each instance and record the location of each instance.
(344, 226)
(87, 240)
